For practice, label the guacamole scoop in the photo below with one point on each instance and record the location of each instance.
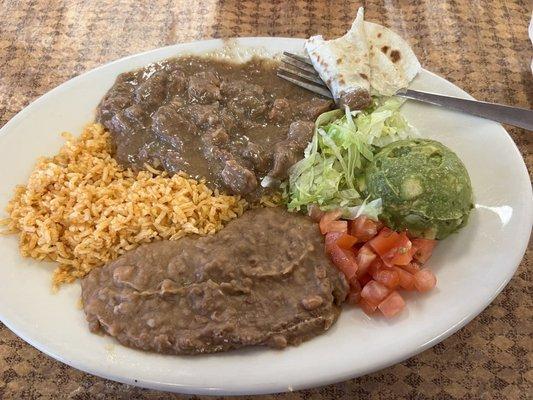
(424, 186)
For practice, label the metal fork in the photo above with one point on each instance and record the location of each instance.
(300, 71)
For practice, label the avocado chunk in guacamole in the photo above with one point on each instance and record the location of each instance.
(424, 186)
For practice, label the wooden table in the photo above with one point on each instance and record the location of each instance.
(480, 45)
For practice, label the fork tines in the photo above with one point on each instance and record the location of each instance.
(303, 59)
(291, 69)
(300, 71)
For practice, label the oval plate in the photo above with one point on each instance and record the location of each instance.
(472, 266)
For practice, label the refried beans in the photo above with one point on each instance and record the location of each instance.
(263, 280)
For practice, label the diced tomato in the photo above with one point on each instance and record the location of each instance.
(355, 291)
(335, 226)
(392, 304)
(385, 241)
(315, 212)
(344, 260)
(379, 225)
(346, 241)
(412, 268)
(424, 249)
(331, 239)
(375, 266)
(425, 280)
(407, 280)
(353, 298)
(374, 292)
(363, 228)
(368, 307)
(402, 252)
(354, 247)
(404, 256)
(364, 279)
(327, 218)
(364, 258)
(354, 283)
(387, 263)
(355, 286)
(341, 239)
(389, 277)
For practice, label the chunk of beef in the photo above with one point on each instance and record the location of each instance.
(301, 132)
(245, 99)
(216, 137)
(116, 99)
(172, 125)
(204, 87)
(153, 91)
(131, 77)
(217, 154)
(228, 120)
(137, 115)
(125, 126)
(290, 150)
(125, 135)
(203, 115)
(177, 82)
(286, 154)
(280, 111)
(171, 161)
(237, 178)
(311, 109)
(256, 155)
(247, 109)
(119, 124)
(356, 99)
(161, 156)
(236, 88)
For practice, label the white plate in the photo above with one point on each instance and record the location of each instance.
(472, 266)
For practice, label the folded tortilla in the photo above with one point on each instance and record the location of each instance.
(368, 59)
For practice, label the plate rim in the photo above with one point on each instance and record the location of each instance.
(259, 388)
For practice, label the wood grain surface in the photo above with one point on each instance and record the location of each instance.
(480, 45)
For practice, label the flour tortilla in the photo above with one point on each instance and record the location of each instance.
(393, 64)
(343, 63)
(368, 59)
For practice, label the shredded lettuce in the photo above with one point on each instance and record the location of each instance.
(371, 210)
(382, 124)
(331, 173)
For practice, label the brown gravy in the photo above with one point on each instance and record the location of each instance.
(230, 123)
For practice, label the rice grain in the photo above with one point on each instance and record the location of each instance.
(81, 209)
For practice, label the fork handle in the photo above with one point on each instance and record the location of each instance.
(515, 116)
